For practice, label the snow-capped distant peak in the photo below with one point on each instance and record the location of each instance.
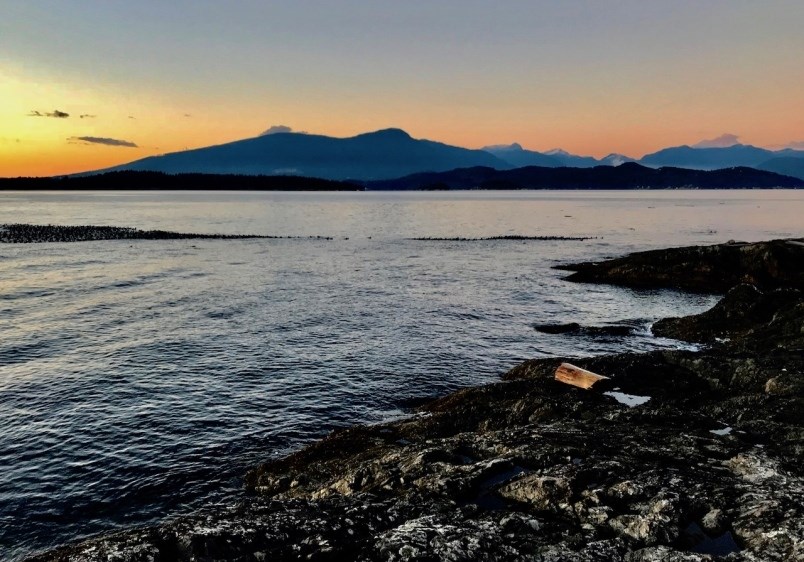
(723, 141)
(615, 159)
(558, 152)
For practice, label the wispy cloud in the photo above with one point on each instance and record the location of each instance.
(55, 113)
(723, 141)
(274, 129)
(795, 145)
(86, 116)
(102, 140)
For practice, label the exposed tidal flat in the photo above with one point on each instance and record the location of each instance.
(39, 233)
(143, 379)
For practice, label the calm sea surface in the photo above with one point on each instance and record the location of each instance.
(139, 380)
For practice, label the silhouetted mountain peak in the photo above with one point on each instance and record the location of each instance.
(517, 156)
(708, 158)
(513, 147)
(386, 153)
(631, 165)
(391, 133)
(615, 159)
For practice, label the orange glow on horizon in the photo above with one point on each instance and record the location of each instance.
(630, 123)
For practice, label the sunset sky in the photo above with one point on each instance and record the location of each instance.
(145, 77)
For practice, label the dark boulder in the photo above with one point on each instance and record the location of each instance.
(569, 328)
(594, 331)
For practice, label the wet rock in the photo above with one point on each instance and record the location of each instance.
(438, 538)
(786, 384)
(575, 328)
(656, 522)
(540, 492)
(665, 554)
(558, 328)
(744, 313)
(769, 519)
(714, 521)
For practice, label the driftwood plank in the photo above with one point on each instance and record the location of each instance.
(575, 376)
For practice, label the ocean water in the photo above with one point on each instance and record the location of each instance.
(140, 380)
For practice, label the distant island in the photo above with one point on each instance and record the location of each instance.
(626, 176)
(140, 181)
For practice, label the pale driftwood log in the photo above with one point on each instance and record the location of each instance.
(570, 374)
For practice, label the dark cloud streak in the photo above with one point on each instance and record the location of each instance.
(55, 113)
(102, 140)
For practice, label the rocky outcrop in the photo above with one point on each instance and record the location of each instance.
(708, 464)
(712, 269)
(746, 317)
(623, 329)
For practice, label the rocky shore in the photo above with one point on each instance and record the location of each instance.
(686, 456)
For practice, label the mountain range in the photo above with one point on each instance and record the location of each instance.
(389, 153)
(393, 153)
(517, 156)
